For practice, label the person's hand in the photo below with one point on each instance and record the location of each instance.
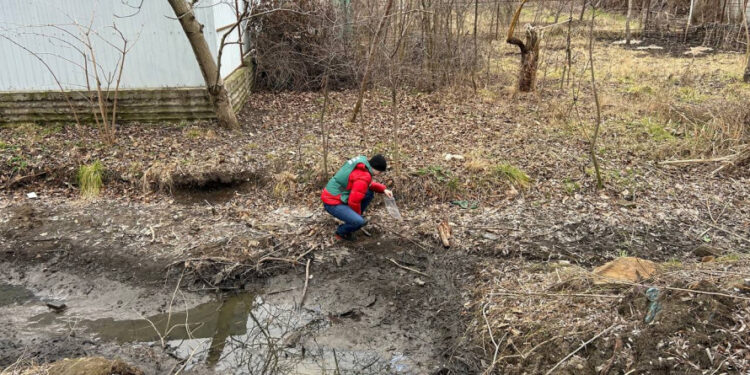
(388, 193)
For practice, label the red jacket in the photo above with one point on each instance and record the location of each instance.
(359, 181)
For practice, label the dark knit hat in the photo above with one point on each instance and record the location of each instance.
(378, 162)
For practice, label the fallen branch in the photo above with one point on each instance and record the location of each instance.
(20, 179)
(281, 291)
(408, 268)
(304, 290)
(496, 344)
(579, 348)
(444, 231)
(208, 259)
(507, 293)
(726, 231)
(692, 161)
(303, 254)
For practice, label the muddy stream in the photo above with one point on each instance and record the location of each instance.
(361, 315)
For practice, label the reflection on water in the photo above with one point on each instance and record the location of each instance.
(244, 335)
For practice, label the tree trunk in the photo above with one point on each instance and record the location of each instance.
(583, 10)
(689, 20)
(209, 69)
(370, 53)
(627, 23)
(529, 59)
(593, 148)
(476, 52)
(745, 15)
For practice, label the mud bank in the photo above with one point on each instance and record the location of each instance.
(361, 313)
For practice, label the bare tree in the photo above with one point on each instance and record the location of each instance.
(592, 150)
(745, 15)
(370, 53)
(209, 68)
(627, 22)
(529, 52)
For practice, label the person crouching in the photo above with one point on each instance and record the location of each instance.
(350, 191)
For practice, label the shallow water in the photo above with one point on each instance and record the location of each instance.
(12, 294)
(241, 334)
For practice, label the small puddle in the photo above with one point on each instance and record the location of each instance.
(12, 294)
(242, 334)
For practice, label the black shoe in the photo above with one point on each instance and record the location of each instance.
(346, 237)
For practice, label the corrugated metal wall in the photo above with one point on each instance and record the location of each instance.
(160, 57)
(225, 16)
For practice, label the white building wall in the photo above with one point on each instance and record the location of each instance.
(225, 15)
(160, 56)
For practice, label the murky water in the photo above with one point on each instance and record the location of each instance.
(242, 334)
(12, 294)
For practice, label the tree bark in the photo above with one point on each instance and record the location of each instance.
(583, 10)
(529, 59)
(592, 149)
(627, 23)
(476, 52)
(745, 15)
(689, 20)
(209, 69)
(529, 52)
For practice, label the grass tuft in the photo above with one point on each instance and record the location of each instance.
(284, 183)
(90, 179)
(513, 174)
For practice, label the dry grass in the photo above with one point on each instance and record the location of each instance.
(539, 310)
(476, 163)
(512, 174)
(158, 177)
(90, 179)
(284, 184)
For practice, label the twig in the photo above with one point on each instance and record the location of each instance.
(304, 291)
(20, 179)
(408, 268)
(303, 254)
(504, 293)
(281, 291)
(494, 343)
(265, 259)
(725, 231)
(579, 348)
(690, 161)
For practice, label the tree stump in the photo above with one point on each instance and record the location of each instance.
(529, 59)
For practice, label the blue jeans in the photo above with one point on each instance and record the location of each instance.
(352, 220)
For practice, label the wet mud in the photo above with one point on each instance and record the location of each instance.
(68, 298)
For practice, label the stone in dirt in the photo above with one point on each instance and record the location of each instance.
(93, 366)
(56, 305)
(628, 269)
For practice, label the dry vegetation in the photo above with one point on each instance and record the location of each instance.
(541, 225)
